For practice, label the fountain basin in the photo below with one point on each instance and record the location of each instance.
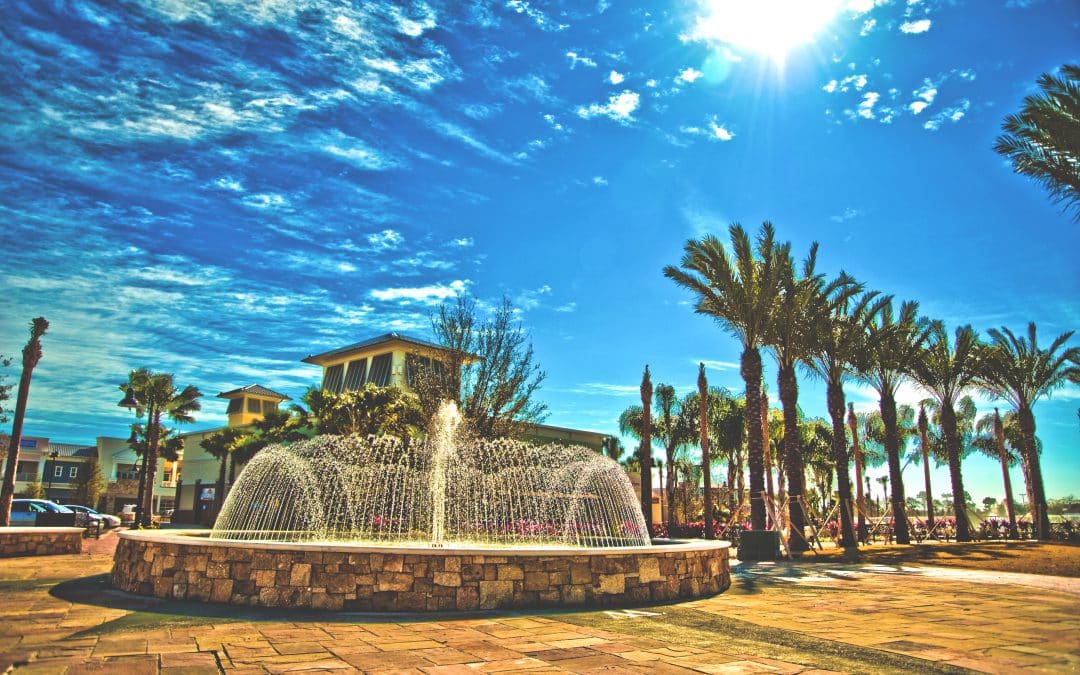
(344, 576)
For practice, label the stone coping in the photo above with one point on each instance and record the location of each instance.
(38, 530)
(201, 538)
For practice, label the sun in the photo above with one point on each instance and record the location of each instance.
(768, 27)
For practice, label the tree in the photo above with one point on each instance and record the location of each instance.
(840, 327)
(1043, 140)
(219, 445)
(492, 374)
(895, 344)
(89, 485)
(674, 427)
(158, 396)
(5, 391)
(33, 490)
(992, 443)
(31, 355)
(924, 449)
(368, 411)
(740, 292)
(1013, 368)
(636, 421)
(703, 443)
(945, 370)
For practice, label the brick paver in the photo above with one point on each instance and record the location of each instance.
(57, 616)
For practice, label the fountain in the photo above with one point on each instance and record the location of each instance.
(382, 523)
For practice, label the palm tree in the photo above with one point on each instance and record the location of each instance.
(31, 355)
(1015, 369)
(636, 421)
(158, 396)
(924, 449)
(841, 323)
(741, 293)
(816, 437)
(703, 442)
(895, 344)
(1040, 140)
(991, 441)
(945, 371)
(219, 445)
(674, 427)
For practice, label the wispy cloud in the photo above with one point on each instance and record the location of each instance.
(620, 107)
(428, 295)
(915, 27)
(951, 114)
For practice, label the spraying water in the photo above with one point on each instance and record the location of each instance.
(433, 492)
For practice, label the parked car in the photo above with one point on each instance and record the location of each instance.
(107, 519)
(24, 512)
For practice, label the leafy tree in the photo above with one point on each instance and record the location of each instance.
(219, 445)
(492, 373)
(1043, 140)
(945, 370)
(158, 398)
(740, 292)
(895, 344)
(31, 355)
(5, 391)
(1013, 368)
(368, 411)
(33, 490)
(816, 438)
(90, 485)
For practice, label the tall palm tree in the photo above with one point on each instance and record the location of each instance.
(636, 421)
(674, 426)
(740, 292)
(895, 345)
(703, 442)
(803, 297)
(159, 397)
(991, 441)
(924, 449)
(945, 371)
(31, 355)
(1015, 369)
(841, 323)
(1040, 140)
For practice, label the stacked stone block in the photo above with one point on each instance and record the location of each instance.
(22, 541)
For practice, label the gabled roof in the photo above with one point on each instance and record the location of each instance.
(319, 359)
(255, 390)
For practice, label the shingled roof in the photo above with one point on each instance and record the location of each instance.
(255, 389)
(318, 359)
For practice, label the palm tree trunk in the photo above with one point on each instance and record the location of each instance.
(1010, 508)
(750, 368)
(892, 451)
(153, 422)
(793, 464)
(646, 450)
(856, 451)
(703, 433)
(31, 355)
(835, 400)
(1037, 497)
(219, 497)
(952, 447)
(766, 446)
(669, 454)
(924, 446)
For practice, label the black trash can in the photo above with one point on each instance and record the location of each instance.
(759, 545)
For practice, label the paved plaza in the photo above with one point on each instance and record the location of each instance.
(60, 616)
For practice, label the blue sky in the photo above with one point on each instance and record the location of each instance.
(218, 189)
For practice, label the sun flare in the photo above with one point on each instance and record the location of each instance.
(769, 27)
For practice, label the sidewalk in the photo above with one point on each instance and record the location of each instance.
(59, 616)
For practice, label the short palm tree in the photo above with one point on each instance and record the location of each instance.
(1041, 140)
(991, 441)
(839, 336)
(741, 292)
(945, 371)
(674, 427)
(219, 445)
(1013, 368)
(895, 345)
(31, 355)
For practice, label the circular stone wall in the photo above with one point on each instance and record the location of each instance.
(353, 577)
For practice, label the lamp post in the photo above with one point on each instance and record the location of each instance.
(132, 403)
(49, 471)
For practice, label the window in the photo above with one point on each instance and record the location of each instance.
(414, 363)
(354, 378)
(236, 405)
(254, 406)
(27, 442)
(74, 472)
(269, 407)
(380, 370)
(20, 507)
(333, 377)
(58, 471)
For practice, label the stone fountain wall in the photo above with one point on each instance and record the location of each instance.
(402, 579)
(20, 541)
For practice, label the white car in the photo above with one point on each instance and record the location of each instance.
(107, 520)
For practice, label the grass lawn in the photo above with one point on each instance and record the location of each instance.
(1061, 560)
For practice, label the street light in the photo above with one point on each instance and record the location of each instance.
(132, 403)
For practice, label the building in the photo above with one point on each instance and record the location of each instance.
(382, 361)
(57, 467)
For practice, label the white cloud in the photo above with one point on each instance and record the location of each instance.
(543, 21)
(651, 83)
(867, 27)
(690, 75)
(230, 184)
(463, 242)
(615, 77)
(267, 200)
(599, 180)
(866, 106)
(917, 107)
(716, 365)
(567, 308)
(952, 114)
(577, 59)
(429, 295)
(915, 27)
(848, 214)
(720, 133)
(385, 240)
(354, 151)
(620, 107)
